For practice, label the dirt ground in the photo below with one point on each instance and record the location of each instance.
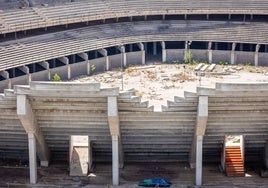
(158, 83)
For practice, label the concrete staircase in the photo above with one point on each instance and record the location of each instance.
(234, 163)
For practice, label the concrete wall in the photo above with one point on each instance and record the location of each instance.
(263, 59)
(220, 55)
(115, 61)
(78, 69)
(134, 58)
(21, 80)
(175, 55)
(3, 85)
(61, 71)
(243, 57)
(200, 55)
(99, 64)
(40, 76)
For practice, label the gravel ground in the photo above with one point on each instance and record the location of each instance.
(161, 82)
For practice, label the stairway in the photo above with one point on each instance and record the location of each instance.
(234, 164)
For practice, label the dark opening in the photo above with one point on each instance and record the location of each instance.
(35, 68)
(198, 45)
(175, 44)
(218, 17)
(156, 17)
(174, 17)
(196, 17)
(221, 46)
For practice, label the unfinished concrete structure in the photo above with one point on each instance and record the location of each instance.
(68, 38)
(122, 129)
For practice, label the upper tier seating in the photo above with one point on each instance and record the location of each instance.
(41, 48)
(82, 11)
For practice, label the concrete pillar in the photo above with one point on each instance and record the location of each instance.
(115, 153)
(141, 46)
(185, 16)
(251, 17)
(229, 17)
(28, 120)
(105, 54)
(163, 17)
(164, 52)
(45, 65)
(65, 60)
(216, 46)
(256, 55)
(5, 75)
(232, 60)
(145, 17)
(199, 160)
(200, 129)
(114, 126)
(154, 48)
(32, 158)
(209, 52)
(207, 16)
(130, 19)
(241, 48)
(145, 47)
(26, 70)
(130, 47)
(122, 49)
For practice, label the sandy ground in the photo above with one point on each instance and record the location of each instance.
(161, 82)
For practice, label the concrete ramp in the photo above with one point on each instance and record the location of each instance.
(80, 155)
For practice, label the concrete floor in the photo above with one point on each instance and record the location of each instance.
(178, 173)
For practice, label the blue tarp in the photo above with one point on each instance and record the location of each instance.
(155, 182)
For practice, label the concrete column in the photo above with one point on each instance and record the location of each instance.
(251, 17)
(197, 144)
(163, 17)
(185, 16)
(216, 46)
(32, 158)
(28, 120)
(199, 160)
(207, 16)
(130, 19)
(107, 62)
(45, 64)
(130, 47)
(145, 17)
(122, 49)
(241, 48)
(26, 70)
(65, 60)
(117, 150)
(115, 153)
(210, 52)
(256, 55)
(229, 17)
(5, 75)
(164, 52)
(142, 47)
(232, 60)
(154, 48)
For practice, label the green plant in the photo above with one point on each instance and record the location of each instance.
(223, 63)
(56, 78)
(92, 69)
(248, 64)
(188, 57)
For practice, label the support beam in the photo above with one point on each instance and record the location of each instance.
(256, 55)
(199, 160)
(45, 65)
(105, 54)
(209, 52)
(232, 60)
(115, 164)
(117, 149)
(29, 122)
(122, 49)
(164, 52)
(197, 143)
(141, 46)
(154, 48)
(32, 158)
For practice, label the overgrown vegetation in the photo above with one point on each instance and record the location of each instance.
(56, 78)
(92, 69)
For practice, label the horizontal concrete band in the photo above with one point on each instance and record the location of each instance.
(21, 20)
(23, 52)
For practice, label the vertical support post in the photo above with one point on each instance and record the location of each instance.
(199, 160)
(142, 47)
(130, 47)
(105, 54)
(207, 16)
(163, 17)
(115, 153)
(209, 52)
(164, 52)
(45, 65)
(256, 55)
(124, 58)
(154, 48)
(232, 60)
(32, 158)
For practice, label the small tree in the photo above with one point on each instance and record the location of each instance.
(56, 78)
(188, 57)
